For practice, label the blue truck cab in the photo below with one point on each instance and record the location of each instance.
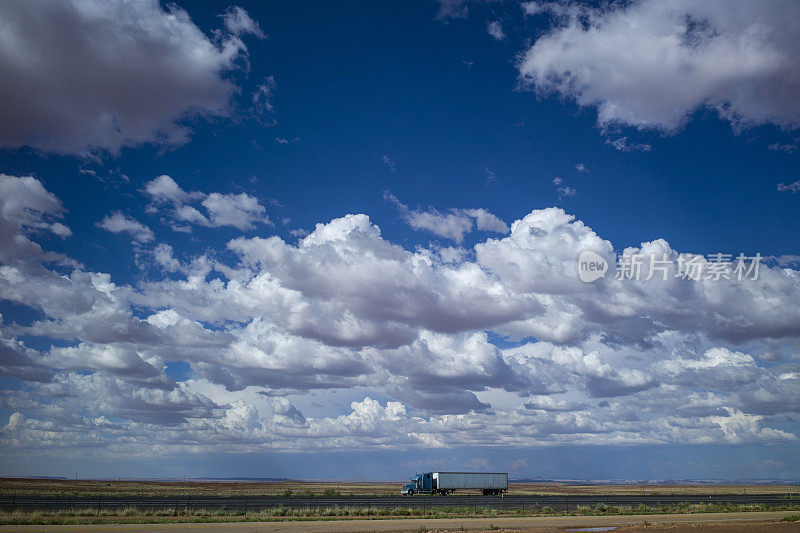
(422, 483)
(408, 488)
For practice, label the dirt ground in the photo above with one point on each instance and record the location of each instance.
(58, 487)
(712, 522)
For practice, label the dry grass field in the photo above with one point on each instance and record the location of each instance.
(57, 487)
(377, 519)
(617, 489)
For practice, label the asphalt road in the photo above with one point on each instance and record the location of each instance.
(716, 522)
(510, 502)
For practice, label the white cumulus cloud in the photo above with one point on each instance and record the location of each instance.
(118, 222)
(26, 208)
(240, 211)
(652, 63)
(238, 22)
(495, 29)
(344, 340)
(453, 224)
(84, 76)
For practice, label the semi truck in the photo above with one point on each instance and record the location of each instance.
(489, 483)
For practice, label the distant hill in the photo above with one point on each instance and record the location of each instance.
(253, 479)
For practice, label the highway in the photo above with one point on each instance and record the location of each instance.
(508, 502)
(707, 522)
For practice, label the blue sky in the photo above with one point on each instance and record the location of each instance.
(341, 240)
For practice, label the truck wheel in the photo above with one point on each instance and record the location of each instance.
(410, 492)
